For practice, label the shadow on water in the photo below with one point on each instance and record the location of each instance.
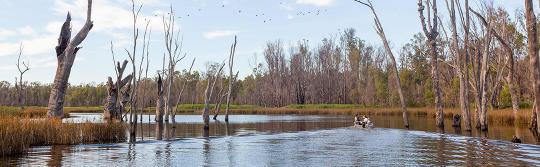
(296, 140)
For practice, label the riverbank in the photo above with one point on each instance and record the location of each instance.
(499, 115)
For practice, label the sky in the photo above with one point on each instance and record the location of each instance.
(208, 28)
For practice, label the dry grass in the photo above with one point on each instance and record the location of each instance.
(17, 134)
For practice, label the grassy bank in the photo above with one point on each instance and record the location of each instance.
(16, 135)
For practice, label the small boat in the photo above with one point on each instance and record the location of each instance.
(361, 124)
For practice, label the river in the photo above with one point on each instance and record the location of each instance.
(294, 140)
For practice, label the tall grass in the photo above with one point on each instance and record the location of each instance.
(16, 135)
(28, 112)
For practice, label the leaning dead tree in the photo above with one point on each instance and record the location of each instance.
(532, 45)
(382, 35)
(231, 80)
(20, 85)
(179, 96)
(66, 52)
(212, 79)
(173, 45)
(430, 29)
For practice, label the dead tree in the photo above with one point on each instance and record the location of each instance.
(135, 81)
(460, 65)
(113, 106)
(431, 32)
(532, 45)
(160, 102)
(173, 45)
(66, 52)
(382, 35)
(20, 85)
(220, 96)
(509, 61)
(231, 81)
(181, 92)
(212, 78)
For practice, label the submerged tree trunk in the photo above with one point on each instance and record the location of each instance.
(532, 45)
(65, 53)
(160, 102)
(231, 80)
(460, 67)
(113, 108)
(207, 96)
(382, 35)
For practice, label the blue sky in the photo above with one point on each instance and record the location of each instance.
(208, 30)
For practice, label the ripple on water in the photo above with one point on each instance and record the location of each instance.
(295, 141)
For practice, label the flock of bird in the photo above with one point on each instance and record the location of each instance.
(266, 18)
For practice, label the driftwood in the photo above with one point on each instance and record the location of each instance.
(65, 53)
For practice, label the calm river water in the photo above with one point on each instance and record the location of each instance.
(294, 140)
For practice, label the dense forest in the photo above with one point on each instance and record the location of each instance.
(340, 69)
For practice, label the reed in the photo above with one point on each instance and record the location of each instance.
(16, 134)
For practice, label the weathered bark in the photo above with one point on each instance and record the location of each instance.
(160, 102)
(466, 114)
(532, 45)
(431, 35)
(65, 54)
(382, 35)
(231, 80)
(113, 108)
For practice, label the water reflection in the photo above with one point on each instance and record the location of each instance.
(295, 140)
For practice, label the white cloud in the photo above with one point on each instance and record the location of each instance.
(315, 2)
(26, 30)
(219, 34)
(5, 33)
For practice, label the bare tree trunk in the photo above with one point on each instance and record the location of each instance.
(65, 53)
(463, 98)
(181, 92)
(532, 45)
(160, 102)
(174, 45)
(431, 35)
(112, 108)
(380, 32)
(231, 80)
(208, 94)
(20, 86)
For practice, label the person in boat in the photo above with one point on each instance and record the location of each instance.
(366, 123)
(357, 120)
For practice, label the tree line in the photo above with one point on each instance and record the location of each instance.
(477, 58)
